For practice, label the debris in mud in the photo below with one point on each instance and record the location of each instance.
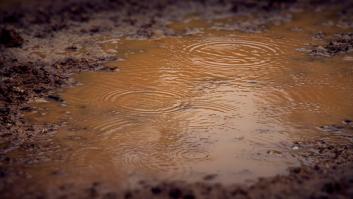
(10, 38)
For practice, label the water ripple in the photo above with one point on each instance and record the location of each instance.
(232, 52)
(145, 101)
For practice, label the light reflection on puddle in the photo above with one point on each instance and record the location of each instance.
(182, 108)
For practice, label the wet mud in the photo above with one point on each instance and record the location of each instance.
(42, 45)
(338, 44)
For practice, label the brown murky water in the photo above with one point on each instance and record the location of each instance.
(215, 102)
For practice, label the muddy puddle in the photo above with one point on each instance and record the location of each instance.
(213, 103)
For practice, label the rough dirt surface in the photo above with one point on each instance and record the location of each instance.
(64, 34)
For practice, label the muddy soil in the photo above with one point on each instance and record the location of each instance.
(337, 44)
(42, 44)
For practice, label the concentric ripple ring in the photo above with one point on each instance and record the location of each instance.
(233, 52)
(146, 101)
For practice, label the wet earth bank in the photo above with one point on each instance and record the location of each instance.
(295, 69)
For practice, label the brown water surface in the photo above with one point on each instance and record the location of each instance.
(215, 102)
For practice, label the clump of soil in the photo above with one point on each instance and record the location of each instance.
(340, 43)
(267, 12)
(269, 6)
(23, 81)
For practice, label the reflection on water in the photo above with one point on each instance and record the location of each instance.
(211, 103)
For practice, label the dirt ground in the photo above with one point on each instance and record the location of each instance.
(65, 31)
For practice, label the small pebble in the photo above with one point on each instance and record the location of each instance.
(295, 147)
(347, 122)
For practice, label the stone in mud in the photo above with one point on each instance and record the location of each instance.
(295, 147)
(347, 121)
(10, 38)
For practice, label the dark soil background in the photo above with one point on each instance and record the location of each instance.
(25, 77)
